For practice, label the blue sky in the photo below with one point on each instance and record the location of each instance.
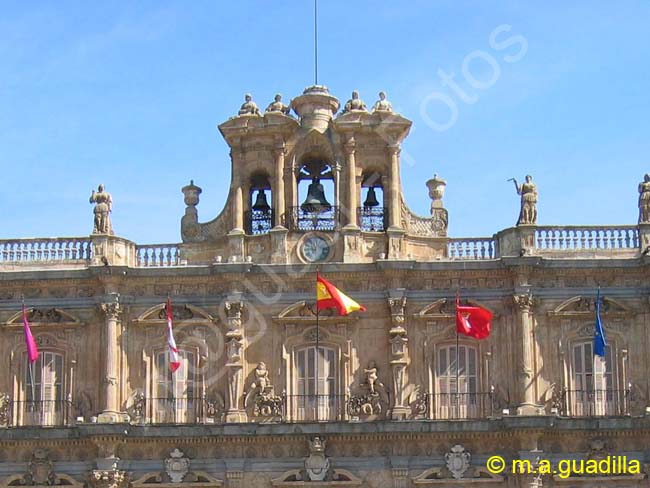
(129, 94)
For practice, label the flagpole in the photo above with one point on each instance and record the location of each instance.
(30, 365)
(317, 350)
(457, 358)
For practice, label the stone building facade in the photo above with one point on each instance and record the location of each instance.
(267, 397)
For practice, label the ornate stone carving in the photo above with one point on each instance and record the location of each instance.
(109, 479)
(41, 470)
(5, 409)
(103, 207)
(277, 106)
(113, 310)
(373, 400)
(436, 186)
(177, 465)
(179, 313)
(355, 103)
(528, 192)
(644, 200)
(419, 401)
(524, 301)
(249, 107)
(317, 465)
(457, 461)
(261, 397)
(382, 105)
(51, 315)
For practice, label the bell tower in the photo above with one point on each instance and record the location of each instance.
(323, 186)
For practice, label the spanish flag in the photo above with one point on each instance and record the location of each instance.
(329, 296)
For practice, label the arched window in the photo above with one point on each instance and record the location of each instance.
(594, 390)
(316, 192)
(457, 384)
(45, 403)
(175, 393)
(373, 215)
(259, 217)
(316, 384)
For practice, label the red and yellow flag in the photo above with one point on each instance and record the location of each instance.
(329, 296)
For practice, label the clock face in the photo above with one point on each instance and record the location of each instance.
(315, 249)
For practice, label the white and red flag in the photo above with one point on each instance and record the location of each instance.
(174, 361)
(472, 321)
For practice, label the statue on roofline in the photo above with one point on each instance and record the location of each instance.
(382, 105)
(355, 103)
(528, 192)
(644, 200)
(249, 107)
(277, 106)
(103, 207)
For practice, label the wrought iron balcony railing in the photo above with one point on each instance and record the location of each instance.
(175, 411)
(325, 221)
(453, 406)
(595, 403)
(314, 408)
(42, 413)
(259, 221)
(373, 219)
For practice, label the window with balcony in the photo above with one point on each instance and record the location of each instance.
(593, 391)
(316, 388)
(44, 402)
(174, 397)
(457, 393)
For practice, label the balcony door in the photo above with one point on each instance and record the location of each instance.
(457, 383)
(312, 368)
(44, 384)
(175, 393)
(594, 390)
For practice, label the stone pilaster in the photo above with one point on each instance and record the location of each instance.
(351, 244)
(112, 312)
(644, 237)
(351, 166)
(279, 253)
(278, 196)
(400, 478)
(395, 243)
(528, 402)
(399, 353)
(235, 360)
(234, 479)
(394, 207)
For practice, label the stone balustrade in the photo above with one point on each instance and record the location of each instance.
(472, 248)
(46, 250)
(157, 255)
(586, 237)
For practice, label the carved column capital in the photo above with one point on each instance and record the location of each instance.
(350, 146)
(112, 310)
(393, 149)
(524, 301)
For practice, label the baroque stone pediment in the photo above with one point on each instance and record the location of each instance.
(40, 473)
(44, 317)
(194, 479)
(304, 311)
(586, 305)
(458, 469)
(294, 477)
(181, 313)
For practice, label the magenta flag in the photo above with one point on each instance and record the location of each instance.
(32, 350)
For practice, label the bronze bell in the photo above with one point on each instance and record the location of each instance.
(371, 198)
(261, 205)
(315, 201)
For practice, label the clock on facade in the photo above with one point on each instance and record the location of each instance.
(315, 249)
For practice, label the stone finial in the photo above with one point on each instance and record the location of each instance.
(355, 103)
(382, 105)
(191, 193)
(644, 200)
(277, 106)
(249, 107)
(103, 207)
(436, 186)
(528, 192)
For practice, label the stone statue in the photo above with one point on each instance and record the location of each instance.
(382, 105)
(644, 200)
(371, 377)
(249, 107)
(528, 192)
(278, 106)
(261, 377)
(103, 207)
(355, 103)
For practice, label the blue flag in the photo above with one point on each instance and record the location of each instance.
(599, 333)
